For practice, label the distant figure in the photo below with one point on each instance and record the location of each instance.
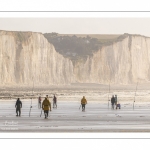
(112, 101)
(39, 101)
(10, 96)
(55, 101)
(118, 105)
(116, 100)
(18, 106)
(46, 106)
(83, 103)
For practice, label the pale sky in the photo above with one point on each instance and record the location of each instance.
(78, 25)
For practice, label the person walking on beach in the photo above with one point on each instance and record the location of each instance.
(116, 100)
(18, 106)
(46, 106)
(39, 101)
(55, 101)
(83, 103)
(112, 101)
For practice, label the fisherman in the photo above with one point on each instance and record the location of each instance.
(118, 105)
(116, 100)
(112, 101)
(18, 106)
(39, 101)
(55, 101)
(46, 106)
(83, 103)
(47, 97)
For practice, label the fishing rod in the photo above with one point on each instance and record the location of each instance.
(31, 98)
(108, 94)
(41, 107)
(32, 86)
(135, 95)
(80, 107)
(30, 107)
(41, 112)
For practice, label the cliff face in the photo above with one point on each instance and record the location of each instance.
(126, 61)
(27, 57)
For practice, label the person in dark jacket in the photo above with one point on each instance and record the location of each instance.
(39, 101)
(116, 100)
(55, 101)
(112, 101)
(18, 106)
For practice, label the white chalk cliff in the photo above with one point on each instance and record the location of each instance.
(27, 57)
(124, 62)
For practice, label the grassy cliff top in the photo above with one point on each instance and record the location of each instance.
(76, 46)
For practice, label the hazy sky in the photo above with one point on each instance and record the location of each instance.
(78, 25)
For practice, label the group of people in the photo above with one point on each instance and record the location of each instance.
(46, 104)
(114, 102)
(54, 101)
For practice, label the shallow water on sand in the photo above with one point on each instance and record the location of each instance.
(69, 118)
